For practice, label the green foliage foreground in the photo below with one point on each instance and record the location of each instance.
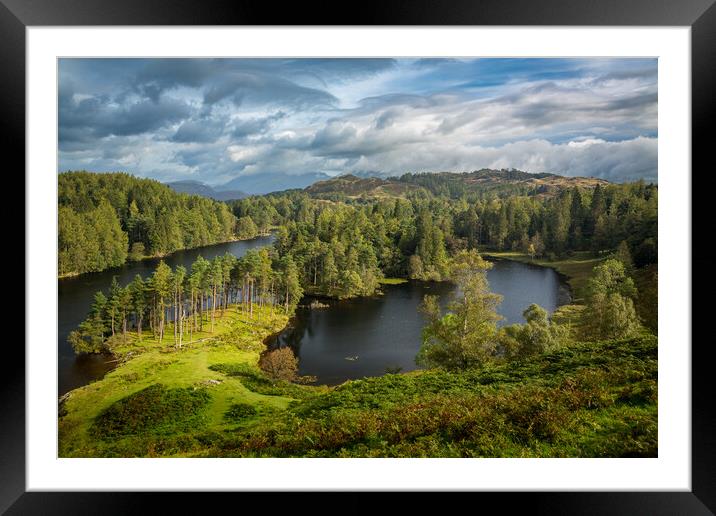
(584, 400)
(591, 400)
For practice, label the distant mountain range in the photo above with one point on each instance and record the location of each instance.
(376, 184)
(267, 183)
(199, 188)
(243, 186)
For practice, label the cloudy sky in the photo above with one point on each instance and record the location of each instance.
(216, 119)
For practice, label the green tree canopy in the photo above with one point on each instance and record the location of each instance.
(466, 336)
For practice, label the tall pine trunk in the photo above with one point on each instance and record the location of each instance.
(176, 308)
(213, 307)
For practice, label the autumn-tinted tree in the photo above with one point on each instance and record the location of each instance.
(279, 364)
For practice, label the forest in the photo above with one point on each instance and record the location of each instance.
(343, 250)
(189, 299)
(106, 219)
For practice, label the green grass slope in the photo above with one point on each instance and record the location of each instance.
(588, 400)
(162, 399)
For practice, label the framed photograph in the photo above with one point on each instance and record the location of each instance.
(418, 250)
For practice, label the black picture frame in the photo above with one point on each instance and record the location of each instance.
(700, 15)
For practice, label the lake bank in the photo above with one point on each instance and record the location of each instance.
(237, 340)
(209, 399)
(601, 409)
(159, 256)
(576, 270)
(76, 294)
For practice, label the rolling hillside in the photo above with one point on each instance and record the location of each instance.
(452, 184)
(500, 182)
(352, 186)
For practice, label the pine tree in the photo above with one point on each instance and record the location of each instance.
(138, 295)
(162, 286)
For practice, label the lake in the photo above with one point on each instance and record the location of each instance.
(381, 331)
(368, 336)
(75, 296)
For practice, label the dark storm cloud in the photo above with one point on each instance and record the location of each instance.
(199, 131)
(159, 75)
(264, 89)
(85, 119)
(252, 126)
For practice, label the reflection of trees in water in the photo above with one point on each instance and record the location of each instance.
(381, 329)
(299, 328)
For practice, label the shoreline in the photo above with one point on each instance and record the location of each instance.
(237, 342)
(126, 353)
(574, 270)
(68, 275)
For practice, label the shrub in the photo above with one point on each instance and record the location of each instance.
(253, 379)
(279, 364)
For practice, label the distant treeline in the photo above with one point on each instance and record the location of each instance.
(104, 219)
(343, 248)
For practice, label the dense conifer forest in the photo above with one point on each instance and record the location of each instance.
(106, 219)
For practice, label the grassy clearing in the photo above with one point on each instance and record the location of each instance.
(577, 268)
(237, 340)
(133, 344)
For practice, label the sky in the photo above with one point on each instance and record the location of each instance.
(213, 120)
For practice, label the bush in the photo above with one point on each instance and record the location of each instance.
(279, 364)
(83, 342)
(253, 379)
